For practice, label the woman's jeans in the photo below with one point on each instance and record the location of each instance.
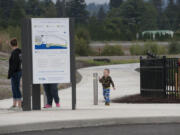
(51, 93)
(15, 83)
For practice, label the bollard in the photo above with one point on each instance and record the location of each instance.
(95, 85)
(45, 98)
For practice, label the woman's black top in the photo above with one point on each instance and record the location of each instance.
(15, 61)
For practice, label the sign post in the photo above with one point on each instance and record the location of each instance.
(48, 57)
(26, 64)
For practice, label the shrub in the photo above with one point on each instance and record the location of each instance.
(112, 51)
(136, 50)
(83, 33)
(162, 49)
(82, 40)
(151, 47)
(6, 35)
(174, 47)
(4, 42)
(154, 48)
(82, 48)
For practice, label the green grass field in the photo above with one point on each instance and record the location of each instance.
(113, 62)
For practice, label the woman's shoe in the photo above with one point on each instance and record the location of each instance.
(12, 107)
(48, 106)
(57, 104)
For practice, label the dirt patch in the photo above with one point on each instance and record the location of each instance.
(134, 99)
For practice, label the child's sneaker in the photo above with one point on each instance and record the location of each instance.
(107, 104)
(57, 104)
(48, 106)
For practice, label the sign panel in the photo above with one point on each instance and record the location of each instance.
(50, 50)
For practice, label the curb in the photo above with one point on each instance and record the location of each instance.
(86, 123)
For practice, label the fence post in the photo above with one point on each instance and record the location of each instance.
(140, 75)
(165, 75)
(178, 75)
(95, 85)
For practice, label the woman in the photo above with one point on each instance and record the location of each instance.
(14, 73)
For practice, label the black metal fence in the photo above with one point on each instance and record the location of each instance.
(159, 77)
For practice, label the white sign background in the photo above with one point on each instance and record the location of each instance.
(50, 50)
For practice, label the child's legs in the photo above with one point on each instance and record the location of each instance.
(104, 93)
(107, 95)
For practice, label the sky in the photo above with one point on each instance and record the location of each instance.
(97, 1)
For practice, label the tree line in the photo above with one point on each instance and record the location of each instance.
(123, 21)
(126, 18)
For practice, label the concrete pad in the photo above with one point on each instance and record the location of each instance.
(127, 83)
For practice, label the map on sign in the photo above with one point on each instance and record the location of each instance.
(48, 42)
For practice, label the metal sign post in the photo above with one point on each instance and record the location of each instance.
(73, 65)
(95, 85)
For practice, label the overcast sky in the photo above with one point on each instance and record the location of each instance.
(97, 1)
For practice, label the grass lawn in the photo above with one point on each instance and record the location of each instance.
(3, 59)
(112, 62)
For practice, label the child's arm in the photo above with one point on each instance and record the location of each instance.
(100, 79)
(112, 83)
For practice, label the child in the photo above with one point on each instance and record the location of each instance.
(106, 81)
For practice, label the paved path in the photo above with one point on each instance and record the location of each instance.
(127, 83)
(124, 76)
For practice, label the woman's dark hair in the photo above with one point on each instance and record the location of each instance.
(13, 42)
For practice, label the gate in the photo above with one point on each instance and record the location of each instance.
(159, 77)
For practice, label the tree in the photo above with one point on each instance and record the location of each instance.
(5, 11)
(17, 14)
(115, 3)
(82, 40)
(172, 14)
(60, 8)
(34, 8)
(49, 9)
(95, 28)
(135, 16)
(138, 15)
(77, 9)
(101, 14)
(158, 5)
(149, 18)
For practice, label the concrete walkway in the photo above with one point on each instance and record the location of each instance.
(127, 83)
